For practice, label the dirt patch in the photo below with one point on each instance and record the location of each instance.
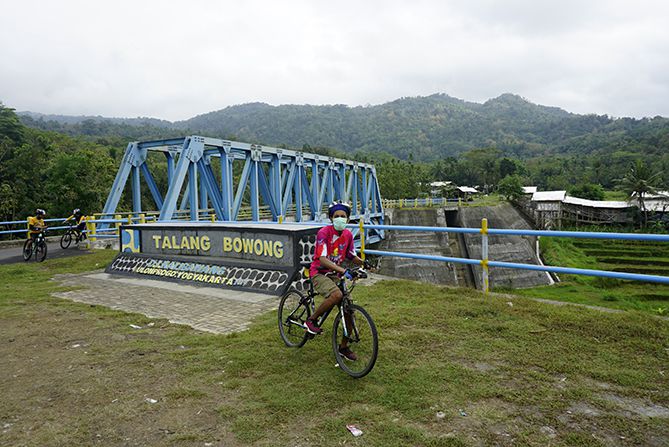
(70, 379)
(479, 366)
(632, 406)
(482, 423)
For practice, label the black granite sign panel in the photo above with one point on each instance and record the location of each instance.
(256, 257)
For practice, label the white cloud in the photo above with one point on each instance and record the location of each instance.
(174, 60)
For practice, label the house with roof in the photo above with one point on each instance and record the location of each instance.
(466, 192)
(438, 189)
(551, 209)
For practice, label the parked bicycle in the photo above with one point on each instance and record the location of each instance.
(352, 322)
(72, 233)
(35, 247)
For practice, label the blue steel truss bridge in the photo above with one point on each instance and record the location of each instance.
(220, 180)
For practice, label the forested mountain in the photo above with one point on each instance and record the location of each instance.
(61, 162)
(427, 128)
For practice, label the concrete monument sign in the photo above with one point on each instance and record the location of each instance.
(260, 257)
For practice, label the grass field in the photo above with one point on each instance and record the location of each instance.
(610, 255)
(455, 369)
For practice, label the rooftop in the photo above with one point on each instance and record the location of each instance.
(549, 196)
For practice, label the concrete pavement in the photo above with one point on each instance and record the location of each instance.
(208, 309)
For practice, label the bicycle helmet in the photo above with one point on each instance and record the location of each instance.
(40, 212)
(339, 205)
(76, 210)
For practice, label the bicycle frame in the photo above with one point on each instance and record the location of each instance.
(342, 306)
(40, 238)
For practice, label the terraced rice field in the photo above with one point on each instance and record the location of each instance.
(628, 256)
(616, 256)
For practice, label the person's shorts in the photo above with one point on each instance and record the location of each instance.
(324, 285)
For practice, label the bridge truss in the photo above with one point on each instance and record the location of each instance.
(224, 180)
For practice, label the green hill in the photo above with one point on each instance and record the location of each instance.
(429, 128)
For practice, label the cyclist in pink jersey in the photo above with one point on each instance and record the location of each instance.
(334, 245)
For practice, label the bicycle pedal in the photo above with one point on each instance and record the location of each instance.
(310, 336)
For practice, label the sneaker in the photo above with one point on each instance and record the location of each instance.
(312, 328)
(348, 354)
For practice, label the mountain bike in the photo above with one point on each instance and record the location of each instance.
(357, 327)
(72, 233)
(35, 247)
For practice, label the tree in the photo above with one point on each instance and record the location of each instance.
(508, 166)
(588, 191)
(484, 162)
(511, 187)
(10, 126)
(7, 202)
(639, 181)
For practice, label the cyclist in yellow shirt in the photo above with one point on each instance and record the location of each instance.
(36, 223)
(78, 217)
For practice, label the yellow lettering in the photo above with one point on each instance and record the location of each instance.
(237, 245)
(248, 245)
(184, 243)
(166, 243)
(257, 247)
(278, 249)
(156, 239)
(227, 243)
(205, 243)
(194, 243)
(175, 244)
(267, 248)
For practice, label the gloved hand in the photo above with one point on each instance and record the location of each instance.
(348, 274)
(367, 265)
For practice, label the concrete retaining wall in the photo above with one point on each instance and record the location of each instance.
(428, 243)
(519, 249)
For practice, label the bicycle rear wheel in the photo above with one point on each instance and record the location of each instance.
(363, 339)
(293, 312)
(40, 251)
(27, 249)
(65, 240)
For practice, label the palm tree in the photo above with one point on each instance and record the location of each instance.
(641, 181)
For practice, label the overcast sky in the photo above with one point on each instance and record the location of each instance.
(177, 59)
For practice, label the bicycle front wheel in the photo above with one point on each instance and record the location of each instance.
(27, 249)
(66, 240)
(363, 340)
(40, 251)
(293, 312)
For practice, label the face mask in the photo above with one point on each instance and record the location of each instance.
(339, 223)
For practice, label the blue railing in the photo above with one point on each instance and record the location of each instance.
(424, 202)
(25, 224)
(484, 231)
(486, 263)
(92, 227)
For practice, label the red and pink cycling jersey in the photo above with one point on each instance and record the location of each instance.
(337, 247)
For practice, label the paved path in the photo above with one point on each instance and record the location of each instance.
(13, 254)
(207, 309)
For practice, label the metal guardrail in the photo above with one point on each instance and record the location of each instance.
(424, 202)
(486, 263)
(112, 232)
(101, 221)
(25, 222)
